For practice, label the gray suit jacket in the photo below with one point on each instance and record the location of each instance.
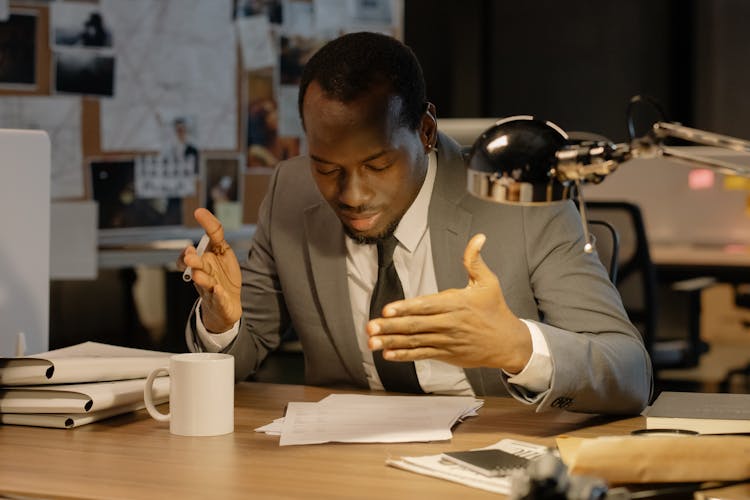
(295, 277)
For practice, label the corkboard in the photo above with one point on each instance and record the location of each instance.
(90, 118)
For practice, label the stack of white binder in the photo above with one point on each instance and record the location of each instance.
(76, 385)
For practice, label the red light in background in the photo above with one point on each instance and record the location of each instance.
(701, 178)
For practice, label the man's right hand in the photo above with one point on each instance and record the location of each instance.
(216, 275)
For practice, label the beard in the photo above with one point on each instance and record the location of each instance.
(362, 239)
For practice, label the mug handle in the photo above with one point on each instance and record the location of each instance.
(148, 396)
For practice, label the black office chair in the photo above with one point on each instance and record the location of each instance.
(671, 334)
(607, 245)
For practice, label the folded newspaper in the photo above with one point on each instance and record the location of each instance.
(86, 362)
(437, 466)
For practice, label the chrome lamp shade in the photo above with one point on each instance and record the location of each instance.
(515, 161)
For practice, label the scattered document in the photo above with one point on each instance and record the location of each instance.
(435, 466)
(86, 362)
(354, 418)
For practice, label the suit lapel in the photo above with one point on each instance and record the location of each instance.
(327, 252)
(450, 229)
(450, 223)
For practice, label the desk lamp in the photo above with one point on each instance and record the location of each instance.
(524, 160)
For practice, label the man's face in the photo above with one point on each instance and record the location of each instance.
(367, 165)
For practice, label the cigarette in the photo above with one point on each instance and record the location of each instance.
(187, 276)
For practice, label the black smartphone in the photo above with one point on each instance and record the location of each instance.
(489, 462)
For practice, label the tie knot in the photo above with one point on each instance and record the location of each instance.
(386, 247)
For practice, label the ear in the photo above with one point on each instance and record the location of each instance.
(428, 128)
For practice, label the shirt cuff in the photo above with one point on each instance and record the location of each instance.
(536, 376)
(213, 342)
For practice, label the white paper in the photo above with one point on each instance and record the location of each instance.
(72, 24)
(256, 42)
(229, 214)
(330, 16)
(374, 419)
(433, 465)
(4, 10)
(378, 12)
(273, 429)
(60, 117)
(87, 362)
(78, 398)
(297, 18)
(290, 124)
(73, 236)
(171, 54)
(159, 176)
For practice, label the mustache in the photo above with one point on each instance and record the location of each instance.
(360, 209)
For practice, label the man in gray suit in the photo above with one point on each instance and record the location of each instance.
(533, 315)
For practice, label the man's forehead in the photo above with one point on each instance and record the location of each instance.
(376, 102)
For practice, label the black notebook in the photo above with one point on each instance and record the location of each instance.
(490, 462)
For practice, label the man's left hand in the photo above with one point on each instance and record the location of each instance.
(468, 327)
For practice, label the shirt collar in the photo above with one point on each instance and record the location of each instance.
(413, 224)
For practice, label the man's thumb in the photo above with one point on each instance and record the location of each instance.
(473, 262)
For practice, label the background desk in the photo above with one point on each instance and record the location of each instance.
(729, 264)
(133, 456)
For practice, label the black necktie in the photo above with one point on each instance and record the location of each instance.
(396, 376)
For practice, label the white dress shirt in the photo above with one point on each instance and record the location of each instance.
(413, 261)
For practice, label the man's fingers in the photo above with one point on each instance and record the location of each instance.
(445, 322)
(447, 300)
(211, 226)
(415, 354)
(191, 259)
(410, 341)
(473, 262)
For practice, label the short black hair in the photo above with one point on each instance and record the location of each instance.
(349, 66)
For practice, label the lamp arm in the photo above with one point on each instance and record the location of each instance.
(662, 130)
(591, 161)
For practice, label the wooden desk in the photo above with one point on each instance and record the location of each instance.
(728, 263)
(133, 456)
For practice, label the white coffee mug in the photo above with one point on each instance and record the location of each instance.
(201, 394)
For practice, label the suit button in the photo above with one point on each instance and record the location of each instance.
(562, 402)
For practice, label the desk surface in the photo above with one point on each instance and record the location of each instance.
(728, 263)
(133, 456)
(701, 255)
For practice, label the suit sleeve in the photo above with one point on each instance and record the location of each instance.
(599, 362)
(264, 314)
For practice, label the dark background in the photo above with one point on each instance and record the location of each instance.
(578, 62)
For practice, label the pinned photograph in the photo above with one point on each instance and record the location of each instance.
(79, 24)
(372, 11)
(272, 9)
(266, 146)
(294, 53)
(179, 142)
(79, 72)
(120, 206)
(222, 175)
(18, 51)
